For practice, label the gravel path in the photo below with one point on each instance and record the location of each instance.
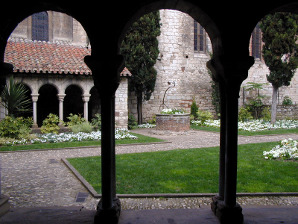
(39, 178)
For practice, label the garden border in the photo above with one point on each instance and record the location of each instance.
(169, 195)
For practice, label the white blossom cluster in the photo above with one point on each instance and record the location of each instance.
(120, 133)
(287, 149)
(147, 125)
(254, 125)
(172, 111)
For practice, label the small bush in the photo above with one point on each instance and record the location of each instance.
(50, 124)
(203, 116)
(244, 114)
(85, 127)
(266, 114)
(15, 127)
(75, 119)
(287, 101)
(96, 122)
(132, 122)
(194, 109)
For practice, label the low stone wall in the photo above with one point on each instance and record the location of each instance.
(287, 112)
(173, 122)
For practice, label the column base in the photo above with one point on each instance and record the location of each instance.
(108, 216)
(4, 205)
(226, 215)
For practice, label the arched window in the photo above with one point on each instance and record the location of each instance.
(256, 42)
(40, 26)
(199, 38)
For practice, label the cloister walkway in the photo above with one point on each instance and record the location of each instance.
(40, 178)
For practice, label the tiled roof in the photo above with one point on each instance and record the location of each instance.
(28, 56)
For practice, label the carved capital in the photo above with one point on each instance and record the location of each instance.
(34, 97)
(105, 72)
(86, 97)
(232, 71)
(61, 97)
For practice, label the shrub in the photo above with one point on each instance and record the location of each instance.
(194, 109)
(203, 116)
(75, 119)
(244, 114)
(50, 124)
(96, 122)
(15, 127)
(266, 114)
(85, 127)
(287, 101)
(132, 122)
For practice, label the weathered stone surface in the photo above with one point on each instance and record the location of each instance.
(173, 122)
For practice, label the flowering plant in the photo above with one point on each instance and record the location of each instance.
(120, 133)
(173, 111)
(287, 149)
(252, 126)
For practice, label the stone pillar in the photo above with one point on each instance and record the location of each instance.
(61, 99)
(34, 101)
(86, 98)
(106, 75)
(230, 76)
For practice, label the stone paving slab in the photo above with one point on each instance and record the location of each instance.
(39, 178)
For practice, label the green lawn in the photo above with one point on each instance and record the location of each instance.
(247, 133)
(192, 171)
(141, 139)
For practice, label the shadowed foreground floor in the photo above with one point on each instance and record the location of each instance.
(74, 215)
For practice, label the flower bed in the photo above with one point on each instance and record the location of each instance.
(71, 137)
(287, 149)
(253, 126)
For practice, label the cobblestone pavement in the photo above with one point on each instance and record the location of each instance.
(39, 178)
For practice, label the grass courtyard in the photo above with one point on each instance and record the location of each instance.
(193, 171)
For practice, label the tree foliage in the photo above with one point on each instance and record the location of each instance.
(14, 98)
(280, 48)
(279, 51)
(140, 51)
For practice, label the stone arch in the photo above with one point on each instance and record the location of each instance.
(73, 102)
(47, 102)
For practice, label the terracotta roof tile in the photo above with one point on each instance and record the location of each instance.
(44, 57)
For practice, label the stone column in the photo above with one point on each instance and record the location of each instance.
(34, 101)
(106, 75)
(61, 100)
(230, 76)
(86, 98)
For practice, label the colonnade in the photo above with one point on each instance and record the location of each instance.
(85, 98)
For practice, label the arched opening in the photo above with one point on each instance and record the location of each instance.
(73, 102)
(257, 90)
(28, 96)
(184, 49)
(47, 102)
(94, 103)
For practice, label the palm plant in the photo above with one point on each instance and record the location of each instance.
(14, 98)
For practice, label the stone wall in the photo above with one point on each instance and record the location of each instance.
(179, 63)
(287, 112)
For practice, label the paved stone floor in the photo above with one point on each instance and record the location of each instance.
(40, 179)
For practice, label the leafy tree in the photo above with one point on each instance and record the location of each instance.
(140, 51)
(14, 98)
(279, 51)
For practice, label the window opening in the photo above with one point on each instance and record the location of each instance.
(40, 26)
(199, 38)
(256, 43)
